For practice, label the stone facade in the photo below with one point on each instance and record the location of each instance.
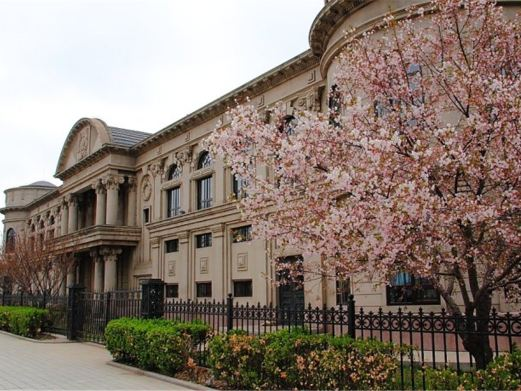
(135, 206)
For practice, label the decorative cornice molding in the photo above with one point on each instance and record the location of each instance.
(323, 27)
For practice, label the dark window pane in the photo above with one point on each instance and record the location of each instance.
(204, 240)
(242, 288)
(241, 234)
(204, 160)
(239, 185)
(146, 215)
(204, 193)
(174, 172)
(342, 292)
(174, 202)
(407, 288)
(204, 289)
(172, 291)
(172, 246)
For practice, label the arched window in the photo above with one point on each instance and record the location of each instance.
(10, 239)
(174, 172)
(204, 160)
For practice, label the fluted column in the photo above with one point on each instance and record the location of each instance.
(112, 183)
(132, 202)
(64, 218)
(101, 203)
(110, 257)
(73, 214)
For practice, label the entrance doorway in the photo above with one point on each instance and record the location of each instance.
(291, 293)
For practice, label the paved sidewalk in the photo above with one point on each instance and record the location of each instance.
(66, 366)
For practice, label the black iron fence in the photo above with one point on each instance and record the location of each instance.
(427, 339)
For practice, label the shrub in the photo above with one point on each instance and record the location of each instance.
(503, 373)
(154, 344)
(297, 359)
(24, 321)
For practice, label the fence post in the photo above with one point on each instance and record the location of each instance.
(21, 298)
(107, 307)
(3, 297)
(73, 310)
(351, 316)
(229, 312)
(152, 298)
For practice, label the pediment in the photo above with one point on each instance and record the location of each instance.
(86, 137)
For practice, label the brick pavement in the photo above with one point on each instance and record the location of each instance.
(66, 366)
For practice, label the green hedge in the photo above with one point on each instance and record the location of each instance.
(154, 344)
(503, 373)
(297, 359)
(24, 321)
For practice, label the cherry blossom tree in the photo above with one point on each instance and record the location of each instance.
(415, 167)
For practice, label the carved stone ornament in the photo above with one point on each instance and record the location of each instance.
(113, 181)
(184, 156)
(146, 188)
(83, 144)
(157, 168)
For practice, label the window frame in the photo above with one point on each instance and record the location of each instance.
(200, 284)
(176, 290)
(204, 192)
(242, 234)
(203, 240)
(249, 292)
(417, 284)
(173, 210)
(175, 246)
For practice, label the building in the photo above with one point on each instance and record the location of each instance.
(135, 205)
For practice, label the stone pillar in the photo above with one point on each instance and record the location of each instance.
(71, 276)
(112, 183)
(73, 214)
(110, 257)
(64, 218)
(101, 203)
(98, 271)
(219, 262)
(132, 202)
(185, 284)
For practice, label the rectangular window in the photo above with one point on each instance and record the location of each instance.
(204, 240)
(172, 246)
(342, 292)
(239, 185)
(241, 234)
(172, 291)
(204, 289)
(146, 215)
(407, 288)
(242, 288)
(204, 193)
(174, 202)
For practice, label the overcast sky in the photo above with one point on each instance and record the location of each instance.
(136, 64)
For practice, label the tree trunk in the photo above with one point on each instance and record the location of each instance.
(474, 331)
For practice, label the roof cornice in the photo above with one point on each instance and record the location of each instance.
(323, 27)
(264, 82)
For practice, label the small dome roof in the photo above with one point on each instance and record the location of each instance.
(41, 184)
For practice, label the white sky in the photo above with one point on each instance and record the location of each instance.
(136, 64)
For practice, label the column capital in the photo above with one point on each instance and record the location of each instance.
(99, 186)
(110, 253)
(132, 182)
(157, 168)
(112, 181)
(95, 255)
(70, 200)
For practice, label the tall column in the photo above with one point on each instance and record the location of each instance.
(132, 202)
(71, 274)
(73, 214)
(101, 203)
(65, 218)
(112, 183)
(98, 271)
(110, 257)
(219, 260)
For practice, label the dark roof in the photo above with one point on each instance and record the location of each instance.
(41, 184)
(125, 137)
